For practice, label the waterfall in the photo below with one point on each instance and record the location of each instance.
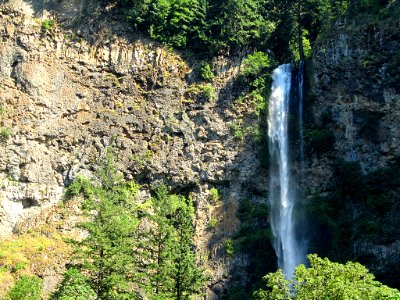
(281, 191)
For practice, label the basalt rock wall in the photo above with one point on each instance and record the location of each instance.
(353, 107)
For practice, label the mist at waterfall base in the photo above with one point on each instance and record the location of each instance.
(282, 192)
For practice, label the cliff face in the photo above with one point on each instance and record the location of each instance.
(354, 98)
(65, 93)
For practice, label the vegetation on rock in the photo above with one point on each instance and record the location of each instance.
(26, 288)
(27, 255)
(131, 247)
(326, 280)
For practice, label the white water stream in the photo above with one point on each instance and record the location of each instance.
(281, 191)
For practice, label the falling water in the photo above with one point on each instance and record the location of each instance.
(281, 192)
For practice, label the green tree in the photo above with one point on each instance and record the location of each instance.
(26, 288)
(105, 255)
(206, 72)
(239, 23)
(174, 269)
(74, 286)
(255, 64)
(176, 22)
(136, 11)
(326, 280)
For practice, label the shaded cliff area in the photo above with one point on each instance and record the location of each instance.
(352, 136)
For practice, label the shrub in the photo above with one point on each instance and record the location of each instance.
(326, 280)
(294, 46)
(201, 92)
(34, 251)
(229, 247)
(48, 24)
(207, 92)
(255, 63)
(238, 130)
(5, 133)
(214, 195)
(26, 288)
(80, 186)
(206, 72)
(74, 286)
(212, 223)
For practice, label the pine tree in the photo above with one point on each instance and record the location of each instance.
(177, 22)
(240, 23)
(123, 253)
(74, 286)
(174, 269)
(105, 255)
(188, 278)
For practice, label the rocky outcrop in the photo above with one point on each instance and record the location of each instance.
(354, 94)
(69, 87)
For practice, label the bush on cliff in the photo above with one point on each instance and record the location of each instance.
(326, 280)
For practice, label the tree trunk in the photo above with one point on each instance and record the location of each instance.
(300, 31)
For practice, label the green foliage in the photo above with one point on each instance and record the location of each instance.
(255, 64)
(306, 46)
(136, 12)
(206, 72)
(201, 92)
(48, 24)
(26, 288)
(326, 280)
(80, 186)
(30, 253)
(207, 92)
(74, 286)
(5, 133)
(118, 257)
(256, 71)
(238, 130)
(214, 195)
(172, 269)
(364, 5)
(211, 27)
(142, 159)
(278, 287)
(212, 223)
(105, 255)
(200, 24)
(372, 195)
(175, 21)
(229, 247)
(239, 23)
